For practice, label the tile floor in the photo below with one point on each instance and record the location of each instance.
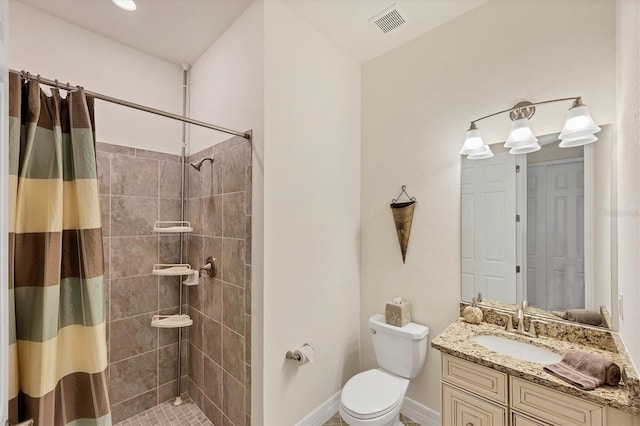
(188, 414)
(336, 420)
(166, 414)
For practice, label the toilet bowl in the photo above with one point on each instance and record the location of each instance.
(373, 398)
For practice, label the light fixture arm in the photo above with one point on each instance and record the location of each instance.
(577, 101)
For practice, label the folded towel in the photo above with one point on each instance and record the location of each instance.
(583, 316)
(585, 370)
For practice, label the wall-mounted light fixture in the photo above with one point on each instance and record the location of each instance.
(579, 129)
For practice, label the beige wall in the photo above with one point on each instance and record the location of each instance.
(312, 215)
(628, 155)
(56, 49)
(417, 102)
(227, 82)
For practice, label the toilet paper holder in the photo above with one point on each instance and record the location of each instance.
(292, 355)
(295, 356)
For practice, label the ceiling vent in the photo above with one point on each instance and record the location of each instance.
(389, 19)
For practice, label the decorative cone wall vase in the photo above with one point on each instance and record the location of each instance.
(403, 217)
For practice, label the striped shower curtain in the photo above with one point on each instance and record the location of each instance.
(57, 352)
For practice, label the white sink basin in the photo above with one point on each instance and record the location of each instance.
(517, 349)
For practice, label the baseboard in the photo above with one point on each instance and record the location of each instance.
(420, 413)
(417, 412)
(323, 413)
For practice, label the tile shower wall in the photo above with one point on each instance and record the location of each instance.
(219, 342)
(137, 188)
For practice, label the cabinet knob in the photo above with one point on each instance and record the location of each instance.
(469, 424)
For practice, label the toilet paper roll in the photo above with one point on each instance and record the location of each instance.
(304, 354)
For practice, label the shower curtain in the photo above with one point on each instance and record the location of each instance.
(58, 352)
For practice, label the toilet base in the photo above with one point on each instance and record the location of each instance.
(385, 420)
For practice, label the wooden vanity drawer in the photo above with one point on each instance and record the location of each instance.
(518, 419)
(552, 406)
(488, 383)
(462, 409)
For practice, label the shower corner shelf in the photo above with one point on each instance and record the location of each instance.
(171, 321)
(172, 226)
(172, 269)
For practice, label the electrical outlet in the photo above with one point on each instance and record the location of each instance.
(621, 305)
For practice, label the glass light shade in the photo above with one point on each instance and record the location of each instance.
(487, 153)
(521, 134)
(578, 124)
(473, 143)
(526, 149)
(125, 4)
(569, 143)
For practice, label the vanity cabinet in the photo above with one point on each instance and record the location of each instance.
(473, 395)
(465, 409)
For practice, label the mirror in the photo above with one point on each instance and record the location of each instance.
(538, 227)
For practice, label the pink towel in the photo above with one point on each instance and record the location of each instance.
(585, 370)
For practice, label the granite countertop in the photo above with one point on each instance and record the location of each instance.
(456, 340)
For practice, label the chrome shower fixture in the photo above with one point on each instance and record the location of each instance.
(198, 164)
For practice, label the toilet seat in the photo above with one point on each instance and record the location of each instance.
(371, 394)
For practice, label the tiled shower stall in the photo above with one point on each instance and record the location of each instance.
(219, 209)
(137, 188)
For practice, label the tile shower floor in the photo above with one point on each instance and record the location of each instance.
(166, 414)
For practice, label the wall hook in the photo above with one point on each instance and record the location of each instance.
(404, 187)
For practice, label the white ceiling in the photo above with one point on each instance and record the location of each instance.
(175, 30)
(181, 30)
(345, 22)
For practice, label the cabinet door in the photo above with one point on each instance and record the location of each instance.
(462, 409)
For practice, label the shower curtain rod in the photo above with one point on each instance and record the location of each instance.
(68, 87)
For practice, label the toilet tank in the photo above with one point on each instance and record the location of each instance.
(399, 350)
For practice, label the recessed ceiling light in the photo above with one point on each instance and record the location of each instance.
(125, 4)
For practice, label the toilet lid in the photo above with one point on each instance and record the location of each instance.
(371, 394)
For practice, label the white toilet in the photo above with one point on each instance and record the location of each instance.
(374, 397)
